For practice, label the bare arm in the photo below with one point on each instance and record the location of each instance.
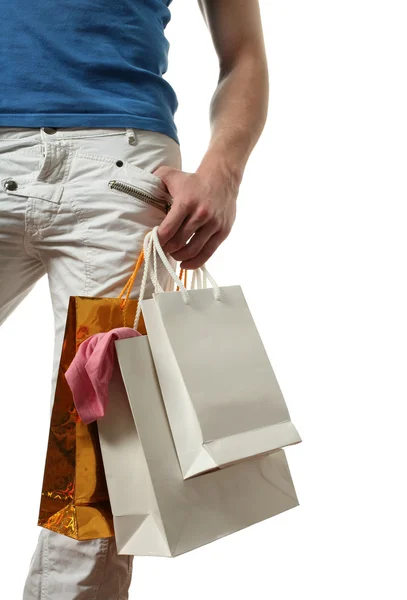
(238, 109)
(204, 207)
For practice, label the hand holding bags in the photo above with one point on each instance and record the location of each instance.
(156, 511)
(222, 398)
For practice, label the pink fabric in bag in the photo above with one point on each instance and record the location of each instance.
(91, 370)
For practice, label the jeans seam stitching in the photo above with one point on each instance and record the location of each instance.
(104, 542)
(45, 571)
(80, 218)
(128, 579)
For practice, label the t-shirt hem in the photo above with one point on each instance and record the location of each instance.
(87, 120)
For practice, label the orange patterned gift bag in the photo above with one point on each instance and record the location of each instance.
(74, 499)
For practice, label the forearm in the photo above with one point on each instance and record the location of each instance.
(238, 113)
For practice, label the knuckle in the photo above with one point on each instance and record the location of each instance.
(203, 212)
(184, 204)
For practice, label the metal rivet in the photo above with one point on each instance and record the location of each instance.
(11, 185)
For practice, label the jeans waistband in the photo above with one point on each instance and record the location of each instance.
(38, 134)
(143, 145)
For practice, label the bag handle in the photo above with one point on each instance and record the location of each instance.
(151, 248)
(196, 279)
(130, 283)
(197, 272)
(183, 273)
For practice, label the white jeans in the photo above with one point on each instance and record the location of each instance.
(60, 217)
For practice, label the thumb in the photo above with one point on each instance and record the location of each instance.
(168, 175)
(165, 172)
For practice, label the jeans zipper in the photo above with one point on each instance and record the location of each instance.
(140, 194)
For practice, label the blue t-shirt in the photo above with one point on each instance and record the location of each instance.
(86, 63)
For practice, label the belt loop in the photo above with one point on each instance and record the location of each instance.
(43, 141)
(130, 135)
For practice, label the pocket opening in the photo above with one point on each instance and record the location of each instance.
(140, 194)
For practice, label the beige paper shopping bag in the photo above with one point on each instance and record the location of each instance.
(221, 394)
(155, 511)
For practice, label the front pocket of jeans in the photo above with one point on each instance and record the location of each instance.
(144, 197)
(145, 174)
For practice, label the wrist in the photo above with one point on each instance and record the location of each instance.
(220, 168)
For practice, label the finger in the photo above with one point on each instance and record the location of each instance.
(207, 251)
(172, 222)
(197, 243)
(190, 226)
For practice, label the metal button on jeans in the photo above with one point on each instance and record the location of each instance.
(10, 184)
(50, 130)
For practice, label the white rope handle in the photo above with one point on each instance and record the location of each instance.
(157, 286)
(149, 254)
(175, 277)
(152, 247)
(196, 282)
(199, 278)
(168, 266)
(215, 286)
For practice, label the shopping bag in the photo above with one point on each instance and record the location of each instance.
(156, 512)
(221, 394)
(74, 498)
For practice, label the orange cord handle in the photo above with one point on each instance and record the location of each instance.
(184, 273)
(130, 283)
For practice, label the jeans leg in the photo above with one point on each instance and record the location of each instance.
(66, 569)
(61, 568)
(86, 236)
(20, 267)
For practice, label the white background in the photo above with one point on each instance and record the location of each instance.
(319, 248)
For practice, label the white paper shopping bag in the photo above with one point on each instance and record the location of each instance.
(156, 512)
(222, 397)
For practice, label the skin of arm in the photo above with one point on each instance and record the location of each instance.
(204, 202)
